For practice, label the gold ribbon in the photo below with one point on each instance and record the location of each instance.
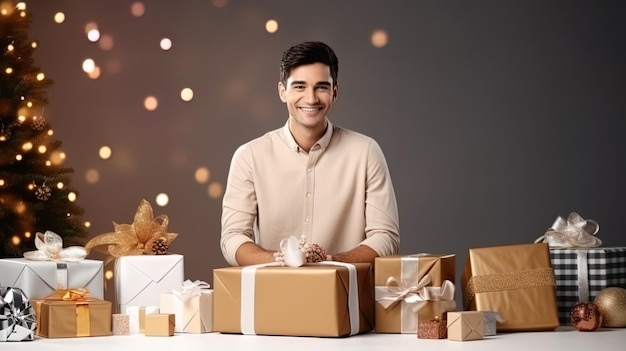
(532, 278)
(136, 238)
(83, 323)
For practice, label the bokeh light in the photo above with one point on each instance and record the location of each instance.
(59, 17)
(162, 199)
(105, 152)
(150, 103)
(89, 65)
(93, 35)
(106, 42)
(95, 73)
(165, 44)
(57, 157)
(186, 94)
(215, 190)
(202, 175)
(379, 38)
(90, 26)
(137, 9)
(92, 176)
(271, 26)
(220, 3)
(71, 196)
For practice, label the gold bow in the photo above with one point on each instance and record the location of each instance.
(79, 294)
(572, 232)
(136, 238)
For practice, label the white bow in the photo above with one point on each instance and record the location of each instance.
(50, 248)
(572, 232)
(190, 289)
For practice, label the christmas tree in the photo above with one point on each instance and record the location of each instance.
(35, 191)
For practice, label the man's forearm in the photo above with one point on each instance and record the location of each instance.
(360, 254)
(250, 253)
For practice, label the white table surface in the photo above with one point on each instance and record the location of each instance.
(564, 338)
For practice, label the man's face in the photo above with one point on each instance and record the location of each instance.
(309, 95)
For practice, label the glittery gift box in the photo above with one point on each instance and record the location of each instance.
(322, 299)
(121, 324)
(433, 329)
(160, 324)
(517, 281)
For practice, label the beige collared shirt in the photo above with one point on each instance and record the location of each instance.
(339, 194)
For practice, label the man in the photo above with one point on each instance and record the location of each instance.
(310, 178)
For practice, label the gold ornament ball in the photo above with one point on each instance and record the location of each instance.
(612, 304)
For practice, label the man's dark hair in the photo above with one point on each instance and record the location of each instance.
(308, 53)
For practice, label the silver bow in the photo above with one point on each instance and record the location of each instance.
(190, 289)
(572, 232)
(50, 248)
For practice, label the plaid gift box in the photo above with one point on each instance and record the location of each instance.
(581, 273)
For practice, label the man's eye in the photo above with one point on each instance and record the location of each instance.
(323, 87)
(298, 87)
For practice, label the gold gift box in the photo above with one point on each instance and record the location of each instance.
(160, 324)
(400, 318)
(465, 325)
(517, 281)
(71, 319)
(312, 300)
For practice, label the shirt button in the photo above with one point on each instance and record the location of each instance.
(307, 219)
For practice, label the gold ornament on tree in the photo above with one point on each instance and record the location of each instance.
(612, 304)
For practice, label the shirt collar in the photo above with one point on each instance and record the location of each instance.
(323, 142)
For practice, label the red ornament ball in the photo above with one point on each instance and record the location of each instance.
(586, 316)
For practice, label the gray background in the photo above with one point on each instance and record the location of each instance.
(495, 116)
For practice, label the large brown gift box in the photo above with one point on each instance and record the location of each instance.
(408, 271)
(329, 299)
(517, 281)
(71, 319)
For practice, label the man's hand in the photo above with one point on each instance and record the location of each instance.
(360, 254)
(250, 253)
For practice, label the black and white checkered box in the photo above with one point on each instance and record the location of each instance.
(606, 267)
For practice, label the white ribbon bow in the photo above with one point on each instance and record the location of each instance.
(190, 289)
(293, 256)
(419, 295)
(572, 232)
(50, 248)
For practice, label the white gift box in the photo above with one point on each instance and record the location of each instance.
(38, 279)
(140, 280)
(194, 315)
(137, 317)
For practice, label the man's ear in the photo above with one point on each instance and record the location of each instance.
(335, 88)
(282, 92)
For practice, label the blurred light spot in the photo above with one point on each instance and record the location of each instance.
(108, 274)
(271, 26)
(41, 76)
(20, 6)
(10, 47)
(87, 224)
(48, 163)
(137, 9)
(93, 35)
(8, 70)
(27, 146)
(186, 94)
(162, 199)
(20, 207)
(90, 26)
(220, 3)
(215, 190)
(57, 157)
(106, 42)
(59, 17)
(71, 196)
(50, 131)
(18, 157)
(166, 44)
(150, 103)
(202, 175)
(2, 182)
(104, 152)
(15, 240)
(42, 149)
(60, 185)
(6, 7)
(95, 73)
(92, 176)
(379, 38)
(27, 234)
(89, 65)
(33, 44)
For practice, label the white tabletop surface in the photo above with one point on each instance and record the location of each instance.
(564, 338)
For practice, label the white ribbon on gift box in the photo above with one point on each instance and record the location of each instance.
(248, 275)
(183, 293)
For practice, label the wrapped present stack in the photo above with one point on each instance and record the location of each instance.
(414, 289)
(144, 267)
(582, 267)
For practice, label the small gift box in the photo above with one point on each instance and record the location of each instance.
(161, 324)
(40, 273)
(581, 267)
(121, 324)
(144, 267)
(137, 317)
(491, 322)
(433, 329)
(517, 281)
(192, 304)
(327, 299)
(17, 316)
(465, 325)
(70, 314)
(411, 288)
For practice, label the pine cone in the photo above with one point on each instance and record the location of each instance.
(314, 253)
(159, 247)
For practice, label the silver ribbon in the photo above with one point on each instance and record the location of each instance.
(573, 232)
(50, 248)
